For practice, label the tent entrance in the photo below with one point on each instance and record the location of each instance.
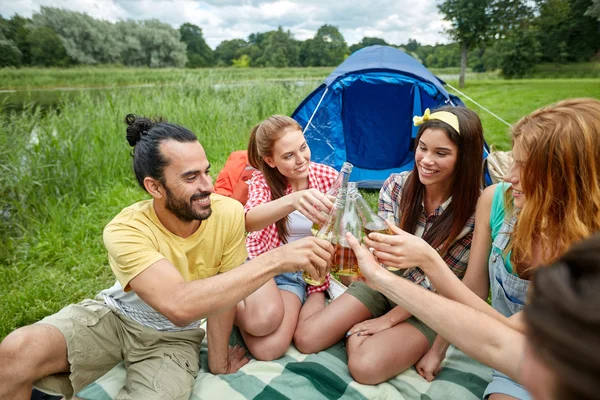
(376, 122)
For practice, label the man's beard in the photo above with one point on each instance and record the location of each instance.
(184, 210)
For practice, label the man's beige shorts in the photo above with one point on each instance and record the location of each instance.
(160, 365)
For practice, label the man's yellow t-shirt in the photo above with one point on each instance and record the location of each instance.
(136, 239)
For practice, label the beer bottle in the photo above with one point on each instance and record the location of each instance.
(341, 181)
(371, 221)
(344, 259)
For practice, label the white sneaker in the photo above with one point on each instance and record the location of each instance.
(335, 289)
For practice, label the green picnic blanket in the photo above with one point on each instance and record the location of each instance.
(317, 376)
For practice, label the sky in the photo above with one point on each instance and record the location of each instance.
(395, 21)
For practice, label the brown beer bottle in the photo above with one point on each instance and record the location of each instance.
(344, 259)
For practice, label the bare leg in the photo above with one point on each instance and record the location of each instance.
(320, 327)
(379, 357)
(274, 345)
(28, 354)
(261, 313)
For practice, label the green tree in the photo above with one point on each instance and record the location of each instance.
(412, 45)
(86, 40)
(554, 23)
(10, 56)
(516, 41)
(366, 42)
(228, 50)
(47, 49)
(277, 49)
(470, 21)
(198, 52)
(519, 52)
(567, 31)
(327, 48)
(17, 31)
(161, 44)
(593, 10)
(584, 38)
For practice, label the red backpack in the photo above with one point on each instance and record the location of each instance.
(232, 181)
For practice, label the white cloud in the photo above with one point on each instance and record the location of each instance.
(395, 21)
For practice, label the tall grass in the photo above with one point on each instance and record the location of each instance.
(65, 171)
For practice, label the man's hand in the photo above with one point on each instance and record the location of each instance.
(430, 364)
(307, 254)
(400, 250)
(236, 359)
(313, 204)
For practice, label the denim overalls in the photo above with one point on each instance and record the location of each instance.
(508, 297)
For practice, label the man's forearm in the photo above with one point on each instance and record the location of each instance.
(481, 336)
(207, 297)
(219, 330)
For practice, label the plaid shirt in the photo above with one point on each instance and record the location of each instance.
(320, 177)
(457, 256)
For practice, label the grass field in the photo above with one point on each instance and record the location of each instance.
(66, 169)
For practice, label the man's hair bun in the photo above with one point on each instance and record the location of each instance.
(137, 127)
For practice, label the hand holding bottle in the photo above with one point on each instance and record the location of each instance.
(313, 204)
(400, 250)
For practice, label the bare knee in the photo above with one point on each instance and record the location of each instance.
(33, 352)
(267, 350)
(305, 338)
(264, 321)
(363, 368)
(16, 347)
(15, 350)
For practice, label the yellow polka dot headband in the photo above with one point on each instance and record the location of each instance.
(443, 116)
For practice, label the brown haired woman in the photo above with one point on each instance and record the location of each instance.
(285, 197)
(550, 200)
(435, 201)
(558, 356)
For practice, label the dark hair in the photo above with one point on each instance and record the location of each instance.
(145, 136)
(262, 138)
(467, 183)
(563, 319)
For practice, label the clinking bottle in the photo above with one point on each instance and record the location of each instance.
(340, 182)
(371, 221)
(344, 259)
(326, 231)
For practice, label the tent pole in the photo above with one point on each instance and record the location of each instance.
(316, 108)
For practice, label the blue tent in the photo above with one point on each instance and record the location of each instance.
(363, 113)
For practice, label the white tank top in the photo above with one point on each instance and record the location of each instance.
(298, 226)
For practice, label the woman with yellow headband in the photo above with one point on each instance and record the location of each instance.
(550, 199)
(435, 201)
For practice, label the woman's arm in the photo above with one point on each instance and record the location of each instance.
(404, 250)
(479, 335)
(309, 202)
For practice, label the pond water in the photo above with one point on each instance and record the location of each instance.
(19, 100)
